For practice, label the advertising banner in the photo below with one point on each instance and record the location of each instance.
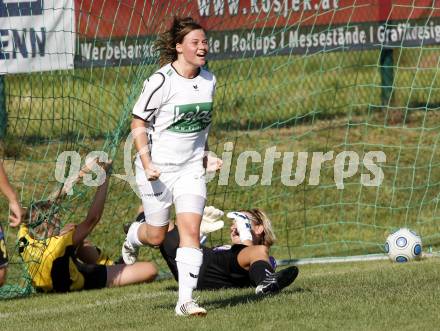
(122, 32)
(36, 35)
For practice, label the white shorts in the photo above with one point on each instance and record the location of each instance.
(185, 188)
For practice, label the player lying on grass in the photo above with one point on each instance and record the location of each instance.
(246, 263)
(61, 259)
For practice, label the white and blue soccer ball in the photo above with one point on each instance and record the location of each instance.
(403, 245)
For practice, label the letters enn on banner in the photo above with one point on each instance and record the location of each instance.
(36, 35)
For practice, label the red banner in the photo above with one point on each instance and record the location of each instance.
(117, 19)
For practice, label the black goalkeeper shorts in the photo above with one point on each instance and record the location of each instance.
(95, 275)
(220, 268)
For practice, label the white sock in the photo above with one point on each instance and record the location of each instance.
(132, 234)
(188, 261)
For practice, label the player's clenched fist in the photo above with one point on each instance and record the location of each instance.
(152, 173)
(212, 163)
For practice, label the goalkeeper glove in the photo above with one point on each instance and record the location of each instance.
(211, 220)
(243, 225)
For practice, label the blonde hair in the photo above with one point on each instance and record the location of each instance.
(166, 43)
(260, 218)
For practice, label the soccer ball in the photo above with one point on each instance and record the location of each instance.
(403, 245)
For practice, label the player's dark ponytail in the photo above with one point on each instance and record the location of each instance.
(166, 42)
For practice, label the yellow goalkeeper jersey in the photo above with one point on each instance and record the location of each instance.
(50, 262)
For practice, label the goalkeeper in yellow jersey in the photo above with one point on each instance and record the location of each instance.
(14, 219)
(61, 259)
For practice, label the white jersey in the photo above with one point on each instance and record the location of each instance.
(179, 111)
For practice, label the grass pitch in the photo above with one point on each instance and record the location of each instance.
(310, 221)
(319, 102)
(344, 296)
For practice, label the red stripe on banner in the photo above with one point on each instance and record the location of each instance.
(131, 18)
(385, 9)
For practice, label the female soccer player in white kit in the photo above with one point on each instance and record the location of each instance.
(171, 121)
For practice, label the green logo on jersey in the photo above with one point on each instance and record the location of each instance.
(190, 118)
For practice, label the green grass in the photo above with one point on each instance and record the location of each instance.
(315, 103)
(349, 296)
(309, 221)
(299, 103)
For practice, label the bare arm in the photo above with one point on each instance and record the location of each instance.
(71, 181)
(94, 214)
(138, 129)
(11, 195)
(5, 186)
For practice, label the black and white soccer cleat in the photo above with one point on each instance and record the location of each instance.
(275, 282)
